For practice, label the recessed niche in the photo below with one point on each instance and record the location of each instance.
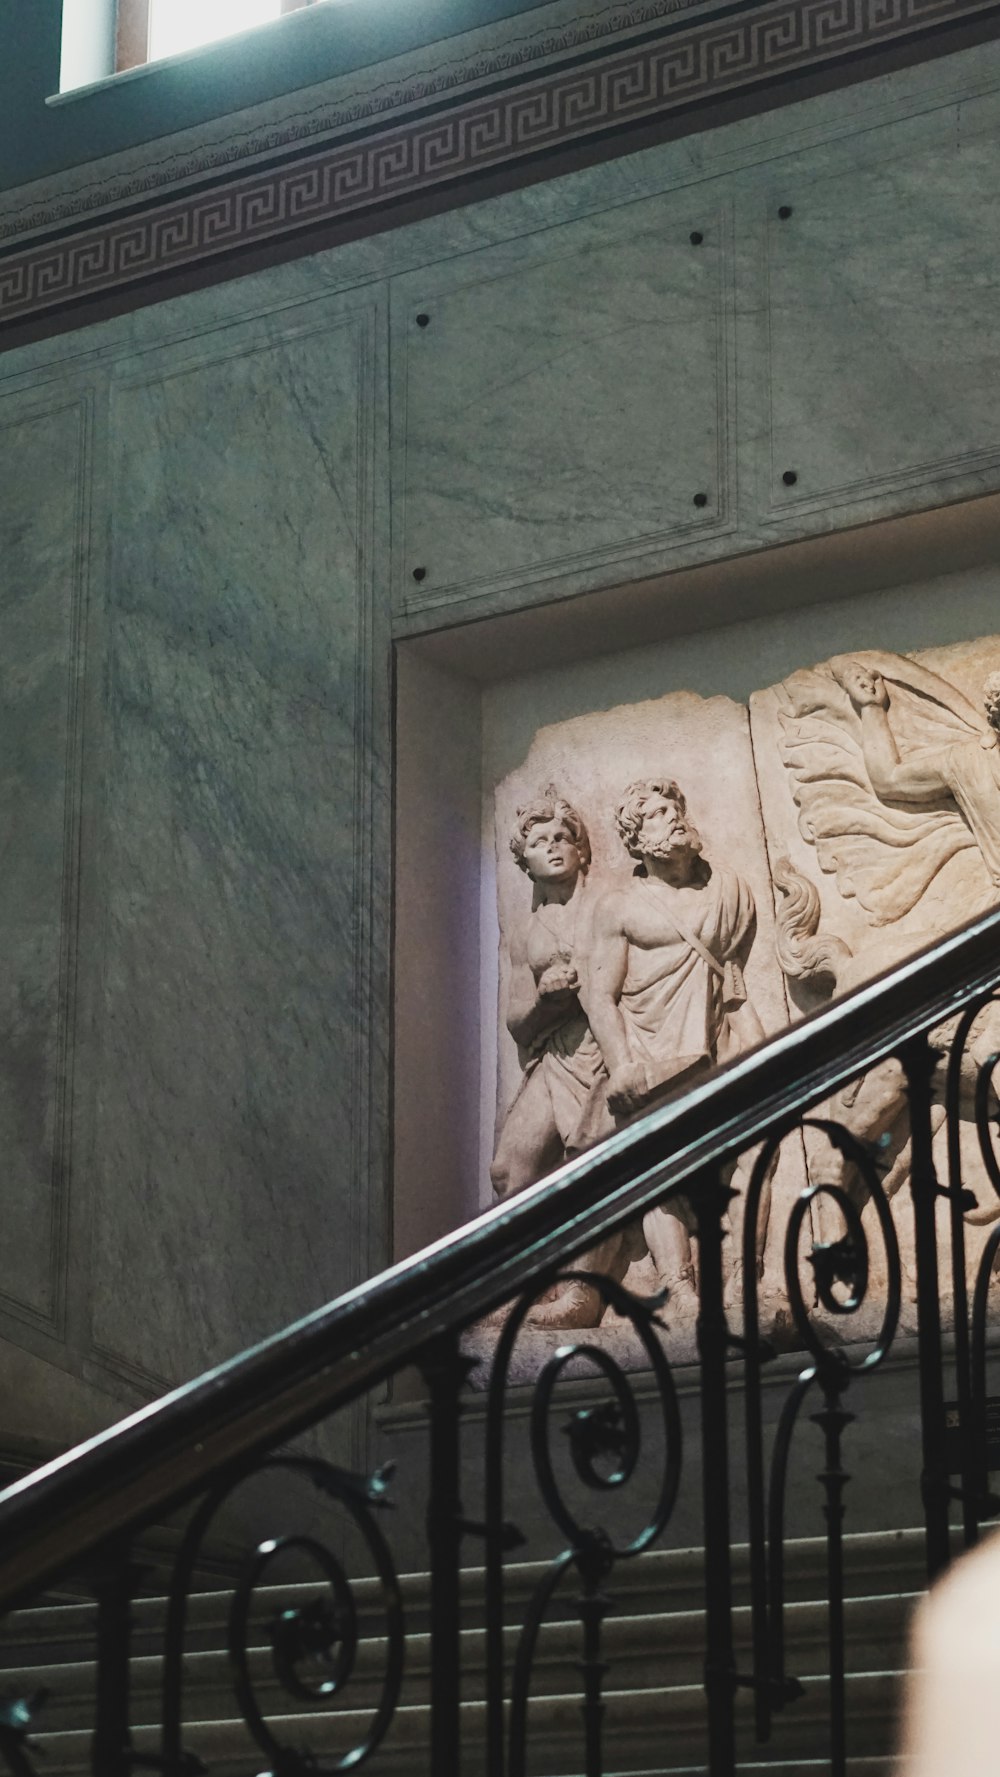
(473, 701)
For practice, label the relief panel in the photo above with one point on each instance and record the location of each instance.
(653, 926)
(563, 411)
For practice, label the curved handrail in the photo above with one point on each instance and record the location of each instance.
(150, 1462)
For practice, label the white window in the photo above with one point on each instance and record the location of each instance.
(148, 30)
(101, 37)
(176, 25)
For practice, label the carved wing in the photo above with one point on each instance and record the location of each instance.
(885, 856)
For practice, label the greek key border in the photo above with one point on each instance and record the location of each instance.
(642, 82)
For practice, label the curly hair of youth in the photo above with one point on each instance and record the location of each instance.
(629, 812)
(991, 695)
(549, 806)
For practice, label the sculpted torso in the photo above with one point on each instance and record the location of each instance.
(544, 980)
(552, 1115)
(642, 912)
(550, 940)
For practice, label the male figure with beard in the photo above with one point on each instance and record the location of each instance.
(664, 985)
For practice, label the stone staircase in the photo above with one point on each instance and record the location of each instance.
(654, 1721)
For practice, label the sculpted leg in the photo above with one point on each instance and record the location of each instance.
(529, 1144)
(869, 1109)
(669, 1243)
(582, 1304)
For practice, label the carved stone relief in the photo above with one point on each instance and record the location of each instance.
(677, 879)
(637, 950)
(879, 778)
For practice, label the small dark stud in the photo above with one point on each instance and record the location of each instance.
(697, 238)
(420, 573)
(701, 499)
(423, 320)
(785, 211)
(789, 478)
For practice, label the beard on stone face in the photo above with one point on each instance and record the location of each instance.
(683, 841)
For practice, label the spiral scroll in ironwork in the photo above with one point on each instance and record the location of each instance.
(971, 1095)
(313, 1645)
(605, 1444)
(841, 1271)
(971, 1098)
(846, 1261)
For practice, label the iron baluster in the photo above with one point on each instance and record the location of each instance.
(708, 1198)
(783, 1687)
(494, 1559)
(919, 1061)
(605, 1442)
(976, 1449)
(755, 1354)
(498, 1539)
(832, 1418)
(445, 1371)
(958, 1202)
(114, 1583)
(594, 1566)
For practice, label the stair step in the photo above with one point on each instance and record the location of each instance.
(653, 1641)
(663, 1649)
(634, 1720)
(875, 1563)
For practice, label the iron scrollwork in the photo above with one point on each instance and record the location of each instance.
(313, 1644)
(605, 1443)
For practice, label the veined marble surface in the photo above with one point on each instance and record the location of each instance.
(566, 406)
(564, 403)
(237, 619)
(42, 477)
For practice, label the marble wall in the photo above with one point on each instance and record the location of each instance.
(189, 909)
(219, 512)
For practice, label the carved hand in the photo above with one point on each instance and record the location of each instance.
(559, 977)
(626, 1088)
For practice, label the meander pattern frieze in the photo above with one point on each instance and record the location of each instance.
(326, 116)
(635, 85)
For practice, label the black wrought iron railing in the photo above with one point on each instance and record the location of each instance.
(886, 1103)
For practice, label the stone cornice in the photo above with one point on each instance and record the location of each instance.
(564, 77)
(523, 45)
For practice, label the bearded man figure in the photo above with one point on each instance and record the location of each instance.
(557, 1111)
(664, 993)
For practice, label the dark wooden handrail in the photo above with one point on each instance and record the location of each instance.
(150, 1462)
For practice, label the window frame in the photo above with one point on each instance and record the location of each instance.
(132, 20)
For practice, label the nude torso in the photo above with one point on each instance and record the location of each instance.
(644, 908)
(551, 934)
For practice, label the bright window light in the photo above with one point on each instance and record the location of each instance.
(177, 25)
